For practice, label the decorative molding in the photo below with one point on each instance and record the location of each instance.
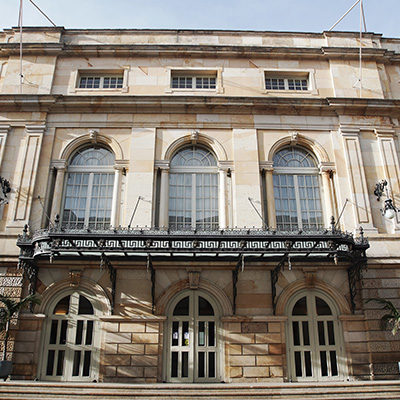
(4, 131)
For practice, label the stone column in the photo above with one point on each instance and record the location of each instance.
(116, 195)
(61, 167)
(164, 195)
(269, 189)
(222, 198)
(326, 170)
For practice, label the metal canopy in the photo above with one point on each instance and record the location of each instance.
(154, 244)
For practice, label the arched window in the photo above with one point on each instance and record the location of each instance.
(89, 189)
(315, 348)
(193, 344)
(193, 190)
(71, 339)
(297, 190)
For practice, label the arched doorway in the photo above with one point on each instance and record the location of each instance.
(315, 338)
(192, 342)
(71, 341)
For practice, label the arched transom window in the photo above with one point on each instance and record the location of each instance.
(193, 190)
(297, 190)
(89, 189)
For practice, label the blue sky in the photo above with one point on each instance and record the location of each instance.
(382, 16)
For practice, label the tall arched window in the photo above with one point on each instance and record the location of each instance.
(193, 190)
(89, 189)
(71, 340)
(297, 190)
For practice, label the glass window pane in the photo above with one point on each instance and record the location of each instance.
(300, 307)
(205, 308)
(174, 364)
(62, 307)
(182, 308)
(201, 373)
(185, 364)
(85, 307)
(322, 307)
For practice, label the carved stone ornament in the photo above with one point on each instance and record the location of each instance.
(194, 278)
(75, 277)
(294, 137)
(93, 135)
(194, 136)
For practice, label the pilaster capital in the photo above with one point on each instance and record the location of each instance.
(35, 130)
(385, 132)
(349, 131)
(5, 129)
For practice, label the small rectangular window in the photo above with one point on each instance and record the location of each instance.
(194, 80)
(286, 83)
(101, 82)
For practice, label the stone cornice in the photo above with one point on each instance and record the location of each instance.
(199, 50)
(200, 104)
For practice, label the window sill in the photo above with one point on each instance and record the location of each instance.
(313, 92)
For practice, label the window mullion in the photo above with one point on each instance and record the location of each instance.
(89, 199)
(298, 202)
(193, 213)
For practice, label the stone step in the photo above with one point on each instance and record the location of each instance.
(27, 390)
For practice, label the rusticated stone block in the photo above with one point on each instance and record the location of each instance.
(144, 337)
(152, 327)
(144, 360)
(150, 372)
(236, 372)
(132, 327)
(240, 338)
(131, 348)
(111, 348)
(239, 361)
(118, 337)
(233, 327)
(117, 360)
(255, 349)
(151, 349)
(233, 349)
(269, 360)
(252, 327)
(256, 372)
(274, 327)
(133, 372)
(275, 349)
(111, 326)
(276, 372)
(268, 338)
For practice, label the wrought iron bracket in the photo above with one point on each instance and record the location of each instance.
(274, 280)
(235, 278)
(355, 275)
(105, 263)
(153, 282)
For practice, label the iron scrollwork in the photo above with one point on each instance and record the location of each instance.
(153, 282)
(105, 263)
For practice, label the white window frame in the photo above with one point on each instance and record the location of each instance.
(69, 346)
(76, 76)
(194, 73)
(287, 74)
(314, 346)
(193, 348)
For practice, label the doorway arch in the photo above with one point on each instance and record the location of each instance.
(193, 340)
(315, 348)
(71, 339)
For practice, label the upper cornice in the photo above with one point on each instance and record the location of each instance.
(200, 104)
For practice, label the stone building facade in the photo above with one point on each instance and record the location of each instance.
(171, 199)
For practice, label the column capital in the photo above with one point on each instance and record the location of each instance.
(327, 167)
(59, 165)
(162, 164)
(267, 166)
(225, 165)
(120, 165)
